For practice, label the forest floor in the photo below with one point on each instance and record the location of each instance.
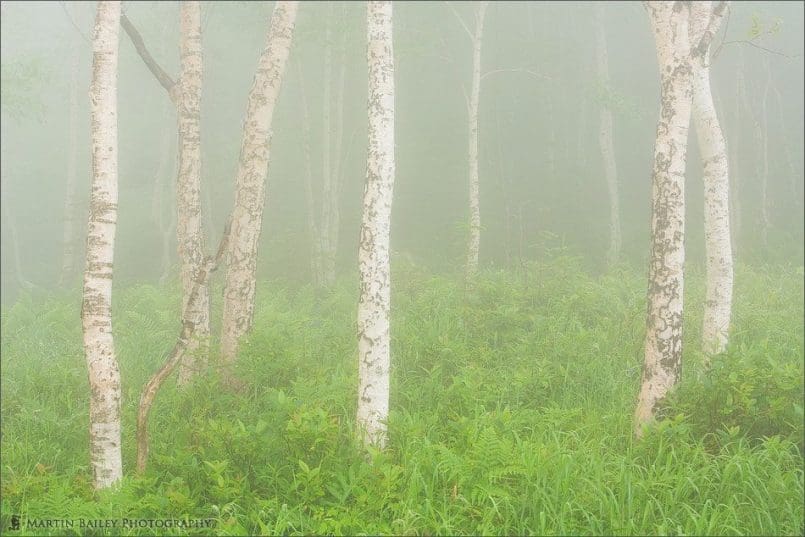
(511, 413)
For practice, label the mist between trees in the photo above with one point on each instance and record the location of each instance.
(219, 150)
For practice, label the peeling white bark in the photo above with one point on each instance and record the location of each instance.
(373, 253)
(606, 144)
(474, 242)
(189, 228)
(247, 215)
(713, 150)
(663, 345)
(96, 311)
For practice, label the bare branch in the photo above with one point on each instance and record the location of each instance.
(753, 44)
(463, 24)
(159, 73)
(72, 21)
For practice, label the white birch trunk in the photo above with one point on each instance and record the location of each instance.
(96, 311)
(189, 228)
(373, 253)
(713, 150)
(663, 345)
(606, 144)
(474, 242)
(68, 237)
(247, 215)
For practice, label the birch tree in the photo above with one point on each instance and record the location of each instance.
(189, 230)
(96, 309)
(373, 253)
(605, 140)
(662, 366)
(474, 241)
(713, 150)
(250, 186)
(186, 96)
(663, 344)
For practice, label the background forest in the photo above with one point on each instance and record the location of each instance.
(512, 398)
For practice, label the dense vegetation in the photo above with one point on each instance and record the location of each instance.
(511, 413)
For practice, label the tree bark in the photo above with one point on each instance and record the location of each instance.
(474, 242)
(250, 188)
(713, 150)
(189, 228)
(373, 254)
(96, 311)
(606, 144)
(663, 344)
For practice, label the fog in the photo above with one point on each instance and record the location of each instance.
(541, 172)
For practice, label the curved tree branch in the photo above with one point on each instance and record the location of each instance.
(159, 73)
(188, 328)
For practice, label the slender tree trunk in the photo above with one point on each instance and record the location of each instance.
(373, 253)
(68, 237)
(313, 228)
(713, 150)
(327, 173)
(250, 188)
(473, 245)
(605, 142)
(337, 170)
(735, 150)
(763, 138)
(96, 310)
(189, 230)
(663, 345)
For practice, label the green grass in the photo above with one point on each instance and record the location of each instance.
(511, 412)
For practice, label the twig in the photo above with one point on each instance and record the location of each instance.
(188, 329)
(70, 18)
(463, 24)
(753, 44)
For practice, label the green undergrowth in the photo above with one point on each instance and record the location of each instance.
(511, 412)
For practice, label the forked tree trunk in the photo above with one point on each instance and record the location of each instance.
(663, 345)
(373, 253)
(713, 150)
(605, 142)
(474, 242)
(68, 237)
(96, 309)
(250, 187)
(189, 229)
